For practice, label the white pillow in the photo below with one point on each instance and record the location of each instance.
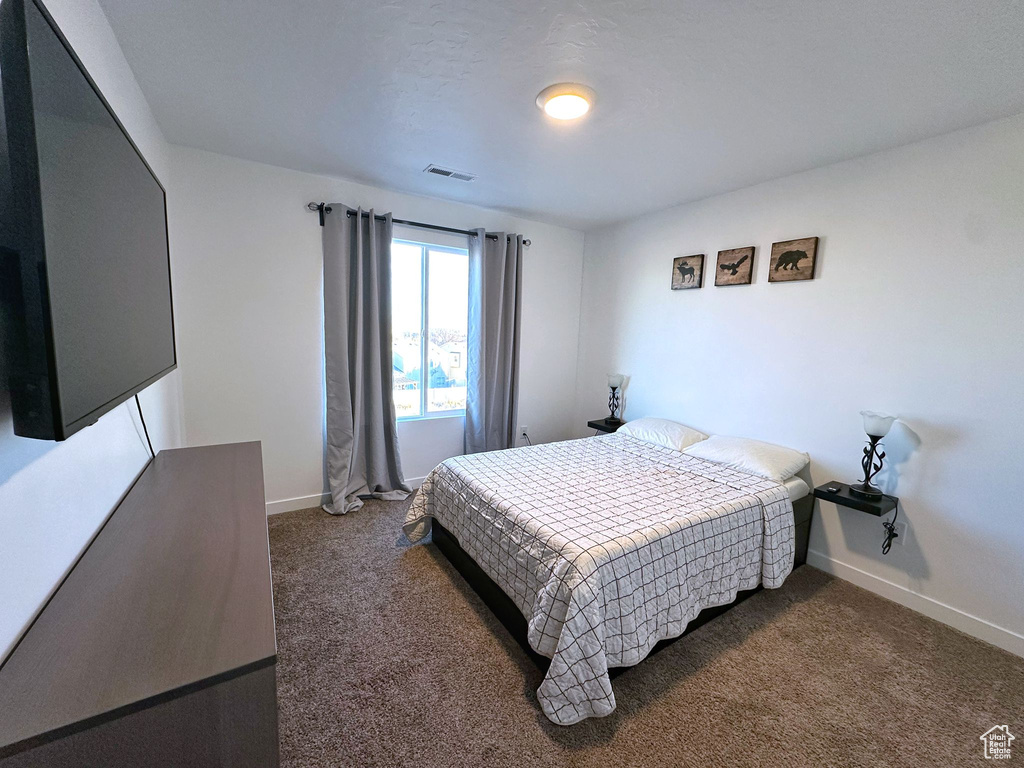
(670, 434)
(763, 459)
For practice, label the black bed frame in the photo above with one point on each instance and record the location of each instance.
(508, 614)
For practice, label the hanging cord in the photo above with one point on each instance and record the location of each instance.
(890, 531)
(528, 440)
(144, 428)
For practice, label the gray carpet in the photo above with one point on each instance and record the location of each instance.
(387, 658)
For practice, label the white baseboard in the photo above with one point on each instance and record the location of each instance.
(319, 499)
(965, 622)
(299, 502)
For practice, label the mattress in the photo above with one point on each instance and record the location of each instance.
(796, 488)
(607, 545)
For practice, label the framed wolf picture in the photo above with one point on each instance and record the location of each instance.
(792, 260)
(687, 272)
(735, 266)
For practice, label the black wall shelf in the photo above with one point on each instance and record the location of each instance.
(603, 425)
(844, 498)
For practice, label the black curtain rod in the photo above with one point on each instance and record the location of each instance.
(322, 209)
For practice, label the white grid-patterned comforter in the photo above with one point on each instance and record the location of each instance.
(607, 545)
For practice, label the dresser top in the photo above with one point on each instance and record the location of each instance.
(174, 589)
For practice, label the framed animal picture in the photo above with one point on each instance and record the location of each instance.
(792, 260)
(687, 272)
(735, 266)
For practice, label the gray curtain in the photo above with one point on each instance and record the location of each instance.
(362, 438)
(495, 307)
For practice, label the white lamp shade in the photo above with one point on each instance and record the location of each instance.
(877, 424)
(615, 380)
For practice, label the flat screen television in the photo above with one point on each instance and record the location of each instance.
(84, 258)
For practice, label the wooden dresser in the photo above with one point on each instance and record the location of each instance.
(158, 649)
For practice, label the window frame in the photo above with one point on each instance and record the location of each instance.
(426, 247)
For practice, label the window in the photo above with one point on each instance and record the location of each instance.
(429, 314)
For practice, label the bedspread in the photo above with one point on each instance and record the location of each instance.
(607, 545)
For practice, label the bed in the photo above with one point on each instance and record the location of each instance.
(606, 547)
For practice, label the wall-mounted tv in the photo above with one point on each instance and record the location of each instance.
(84, 261)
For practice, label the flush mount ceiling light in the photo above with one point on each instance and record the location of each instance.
(566, 101)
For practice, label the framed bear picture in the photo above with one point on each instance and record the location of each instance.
(792, 260)
(735, 266)
(687, 272)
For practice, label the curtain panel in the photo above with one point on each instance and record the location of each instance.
(495, 310)
(362, 437)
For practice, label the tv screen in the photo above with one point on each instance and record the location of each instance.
(88, 317)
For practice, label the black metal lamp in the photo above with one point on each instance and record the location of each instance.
(614, 384)
(877, 426)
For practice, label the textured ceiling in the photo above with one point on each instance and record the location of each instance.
(694, 97)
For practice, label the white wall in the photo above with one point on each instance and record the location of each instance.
(54, 496)
(915, 310)
(425, 443)
(248, 308)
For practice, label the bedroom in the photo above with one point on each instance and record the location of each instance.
(892, 135)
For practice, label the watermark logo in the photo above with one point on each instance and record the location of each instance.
(997, 742)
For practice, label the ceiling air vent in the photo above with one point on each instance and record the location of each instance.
(448, 173)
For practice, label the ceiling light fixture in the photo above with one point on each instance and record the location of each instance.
(566, 101)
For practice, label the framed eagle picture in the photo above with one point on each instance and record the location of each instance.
(687, 272)
(792, 260)
(735, 266)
